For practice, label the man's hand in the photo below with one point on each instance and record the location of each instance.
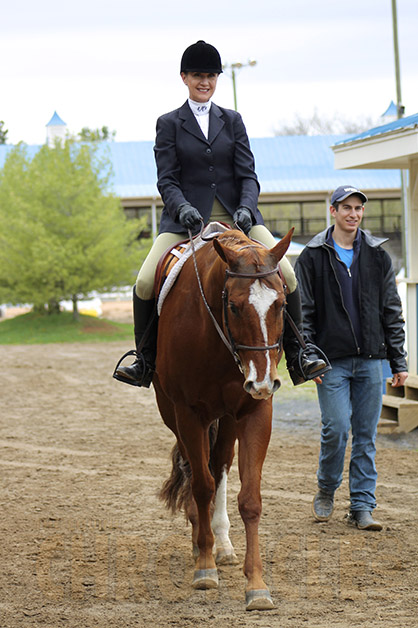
(399, 379)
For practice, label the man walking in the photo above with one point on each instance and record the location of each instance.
(352, 311)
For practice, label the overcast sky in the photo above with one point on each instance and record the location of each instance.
(116, 62)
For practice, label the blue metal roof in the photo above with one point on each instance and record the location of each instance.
(301, 163)
(135, 173)
(56, 121)
(284, 164)
(397, 125)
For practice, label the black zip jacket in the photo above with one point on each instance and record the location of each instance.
(326, 321)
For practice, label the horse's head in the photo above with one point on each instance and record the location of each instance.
(254, 300)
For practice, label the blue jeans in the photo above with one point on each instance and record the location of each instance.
(350, 396)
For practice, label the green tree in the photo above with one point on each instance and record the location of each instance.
(96, 135)
(3, 133)
(62, 232)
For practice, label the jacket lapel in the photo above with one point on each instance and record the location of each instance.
(216, 123)
(190, 124)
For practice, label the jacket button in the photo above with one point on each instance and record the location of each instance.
(211, 168)
(213, 185)
(208, 150)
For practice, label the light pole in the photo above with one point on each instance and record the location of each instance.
(400, 111)
(234, 67)
(400, 107)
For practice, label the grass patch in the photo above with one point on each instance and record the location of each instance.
(305, 391)
(31, 328)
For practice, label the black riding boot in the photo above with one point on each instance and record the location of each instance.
(140, 372)
(303, 362)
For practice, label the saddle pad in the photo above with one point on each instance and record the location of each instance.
(210, 231)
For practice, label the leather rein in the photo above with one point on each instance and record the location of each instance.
(229, 341)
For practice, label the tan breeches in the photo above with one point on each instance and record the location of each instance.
(145, 279)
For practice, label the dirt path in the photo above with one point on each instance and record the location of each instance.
(85, 541)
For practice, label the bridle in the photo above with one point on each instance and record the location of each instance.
(229, 341)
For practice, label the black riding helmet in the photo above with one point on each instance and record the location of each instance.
(201, 57)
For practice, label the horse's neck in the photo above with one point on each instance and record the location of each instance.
(212, 278)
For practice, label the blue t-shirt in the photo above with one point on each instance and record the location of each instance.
(345, 255)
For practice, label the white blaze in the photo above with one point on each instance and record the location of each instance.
(262, 297)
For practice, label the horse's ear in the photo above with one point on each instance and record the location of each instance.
(281, 247)
(226, 254)
(219, 250)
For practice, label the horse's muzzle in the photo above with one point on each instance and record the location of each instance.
(262, 390)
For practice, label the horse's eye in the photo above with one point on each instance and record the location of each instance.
(234, 309)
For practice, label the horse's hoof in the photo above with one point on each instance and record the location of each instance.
(258, 600)
(205, 579)
(223, 557)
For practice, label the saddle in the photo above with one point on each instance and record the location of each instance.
(173, 259)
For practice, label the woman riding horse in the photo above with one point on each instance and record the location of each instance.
(206, 173)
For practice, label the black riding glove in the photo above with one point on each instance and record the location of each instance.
(243, 219)
(189, 217)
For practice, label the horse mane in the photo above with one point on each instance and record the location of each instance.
(251, 252)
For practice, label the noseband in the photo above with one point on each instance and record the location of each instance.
(229, 342)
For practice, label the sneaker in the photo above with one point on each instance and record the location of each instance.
(323, 505)
(363, 520)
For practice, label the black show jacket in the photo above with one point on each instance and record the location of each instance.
(194, 169)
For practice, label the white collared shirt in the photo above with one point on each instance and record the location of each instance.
(201, 113)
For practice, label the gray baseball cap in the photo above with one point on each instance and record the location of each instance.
(344, 191)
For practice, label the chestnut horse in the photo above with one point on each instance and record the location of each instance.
(219, 344)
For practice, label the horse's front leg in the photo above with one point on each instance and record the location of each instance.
(254, 436)
(225, 554)
(222, 457)
(195, 441)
